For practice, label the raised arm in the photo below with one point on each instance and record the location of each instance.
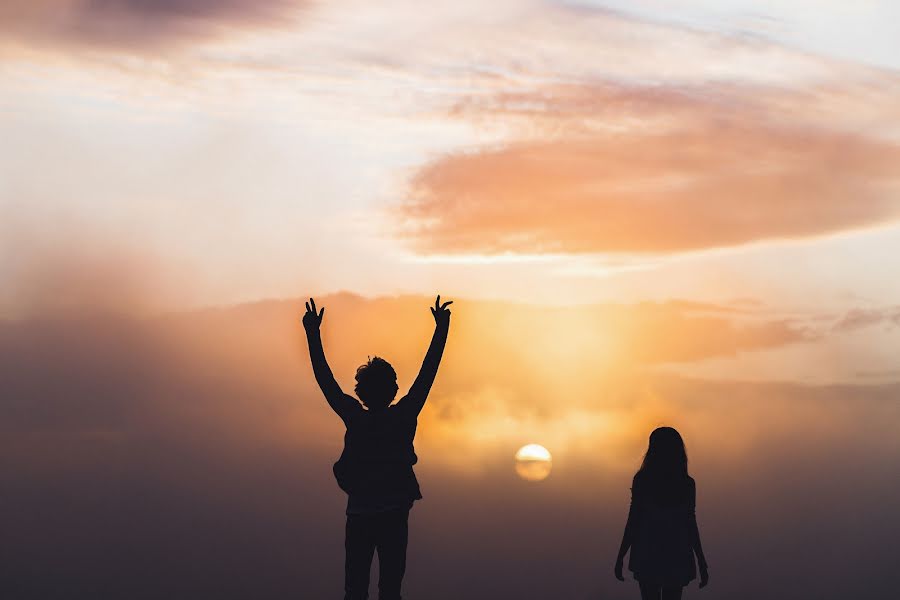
(418, 392)
(340, 402)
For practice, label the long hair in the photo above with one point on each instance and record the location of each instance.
(666, 457)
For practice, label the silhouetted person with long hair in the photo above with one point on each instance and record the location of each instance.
(662, 528)
(376, 466)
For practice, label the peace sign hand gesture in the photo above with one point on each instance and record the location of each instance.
(312, 319)
(440, 311)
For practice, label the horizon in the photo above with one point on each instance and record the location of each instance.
(143, 426)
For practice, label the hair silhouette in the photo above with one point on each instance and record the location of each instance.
(376, 466)
(666, 455)
(661, 532)
(376, 383)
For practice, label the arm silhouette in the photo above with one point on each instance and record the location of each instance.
(418, 392)
(339, 402)
(634, 516)
(695, 538)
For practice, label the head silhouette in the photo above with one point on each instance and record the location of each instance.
(666, 456)
(376, 383)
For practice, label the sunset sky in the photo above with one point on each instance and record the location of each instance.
(682, 212)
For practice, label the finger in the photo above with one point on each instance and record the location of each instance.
(313, 304)
(446, 304)
(321, 312)
(307, 307)
(433, 312)
(437, 302)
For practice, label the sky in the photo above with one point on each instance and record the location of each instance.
(270, 149)
(646, 212)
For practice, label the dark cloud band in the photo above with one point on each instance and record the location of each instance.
(135, 24)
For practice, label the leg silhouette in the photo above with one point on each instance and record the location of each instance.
(672, 593)
(653, 591)
(391, 546)
(359, 545)
(649, 591)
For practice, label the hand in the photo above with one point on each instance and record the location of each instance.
(618, 570)
(312, 320)
(704, 576)
(440, 312)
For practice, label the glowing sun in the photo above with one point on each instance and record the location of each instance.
(533, 462)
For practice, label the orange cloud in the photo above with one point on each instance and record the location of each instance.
(652, 170)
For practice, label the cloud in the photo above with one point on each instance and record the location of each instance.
(60, 265)
(136, 23)
(658, 169)
(859, 318)
(540, 353)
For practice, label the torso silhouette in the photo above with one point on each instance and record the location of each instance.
(376, 465)
(663, 515)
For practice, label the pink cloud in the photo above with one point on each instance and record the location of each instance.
(658, 169)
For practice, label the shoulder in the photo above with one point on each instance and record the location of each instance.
(351, 407)
(638, 481)
(402, 408)
(691, 487)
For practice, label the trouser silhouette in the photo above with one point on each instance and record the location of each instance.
(386, 532)
(654, 591)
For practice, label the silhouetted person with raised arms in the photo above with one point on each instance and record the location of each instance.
(662, 528)
(376, 466)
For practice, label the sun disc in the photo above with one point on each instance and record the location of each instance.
(533, 462)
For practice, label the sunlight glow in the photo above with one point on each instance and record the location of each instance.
(533, 462)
